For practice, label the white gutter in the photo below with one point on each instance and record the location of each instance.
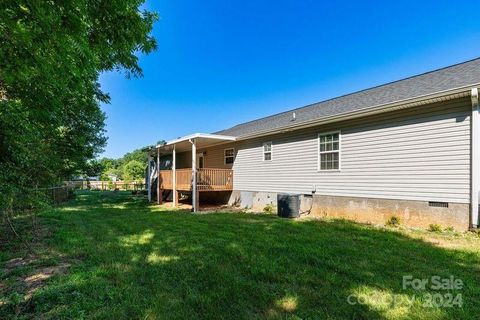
(396, 105)
(198, 135)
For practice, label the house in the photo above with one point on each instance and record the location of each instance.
(409, 148)
(112, 177)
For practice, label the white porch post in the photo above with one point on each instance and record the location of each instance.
(149, 182)
(159, 191)
(174, 176)
(194, 175)
(475, 158)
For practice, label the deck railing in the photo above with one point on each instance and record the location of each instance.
(208, 179)
(214, 179)
(166, 179)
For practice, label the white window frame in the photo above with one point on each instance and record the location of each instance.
(225, 156)
(324, 152)
(264, 152)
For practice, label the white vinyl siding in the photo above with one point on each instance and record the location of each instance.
(420, 153)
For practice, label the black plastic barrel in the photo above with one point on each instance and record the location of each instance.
(288, 205)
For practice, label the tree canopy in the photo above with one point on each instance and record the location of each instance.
(51, 55)
(134, 170)
(117, 167)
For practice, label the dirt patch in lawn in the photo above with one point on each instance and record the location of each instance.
(35, 279)
(19, 262)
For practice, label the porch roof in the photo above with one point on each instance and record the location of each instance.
(202, 140)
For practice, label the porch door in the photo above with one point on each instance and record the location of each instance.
(200, 161)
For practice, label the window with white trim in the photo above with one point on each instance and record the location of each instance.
(229, 155)
(329, 148)
(267, 151)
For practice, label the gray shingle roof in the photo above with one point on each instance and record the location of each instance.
(459, 75)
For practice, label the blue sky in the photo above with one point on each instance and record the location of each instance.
(220, 62)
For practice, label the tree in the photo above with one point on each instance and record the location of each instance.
(107, 163)
(94, 168)
(137, 155)
(51, 55)
(112, 172)
(134, 170)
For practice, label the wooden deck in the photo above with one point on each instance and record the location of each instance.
(208, 179)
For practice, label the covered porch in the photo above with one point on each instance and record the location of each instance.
(169, 174)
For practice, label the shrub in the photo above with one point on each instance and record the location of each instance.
(394, 221)
(434, 227)
(476, 231)
(269, 208)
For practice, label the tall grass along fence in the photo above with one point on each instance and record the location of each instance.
(20, 219)
(60, 194)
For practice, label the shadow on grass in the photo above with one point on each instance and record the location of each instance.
(132, 261)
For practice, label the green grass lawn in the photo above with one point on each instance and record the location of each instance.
(130, 260)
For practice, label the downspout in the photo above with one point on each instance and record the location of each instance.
(174, 176)
(149, 180)
(159, 191)
(194, 176)
(475, 159)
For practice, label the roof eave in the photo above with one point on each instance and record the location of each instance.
(396, 105)
(198, 135)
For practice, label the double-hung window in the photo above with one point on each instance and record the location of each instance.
(329, 151)
(229, 155)
(267, 151)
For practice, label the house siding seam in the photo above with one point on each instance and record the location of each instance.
(420, 154)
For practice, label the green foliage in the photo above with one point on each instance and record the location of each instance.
(134, 170)
(107, 164)
(136, 155)
(51, 56)
(269, 208)
(434, 227)
(394, 221)
(108, 174)
(118, 167)
(93, 168)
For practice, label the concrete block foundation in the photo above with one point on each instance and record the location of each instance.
(252, 200)
(367, 210)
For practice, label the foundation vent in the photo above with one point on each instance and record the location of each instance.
(438, 204)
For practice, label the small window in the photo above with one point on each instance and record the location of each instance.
(329, 149)
(229, 156)
(267, 151)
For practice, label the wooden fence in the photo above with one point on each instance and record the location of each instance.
(59, 194)
(106, 185)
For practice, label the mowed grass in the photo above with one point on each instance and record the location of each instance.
(131, 260)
